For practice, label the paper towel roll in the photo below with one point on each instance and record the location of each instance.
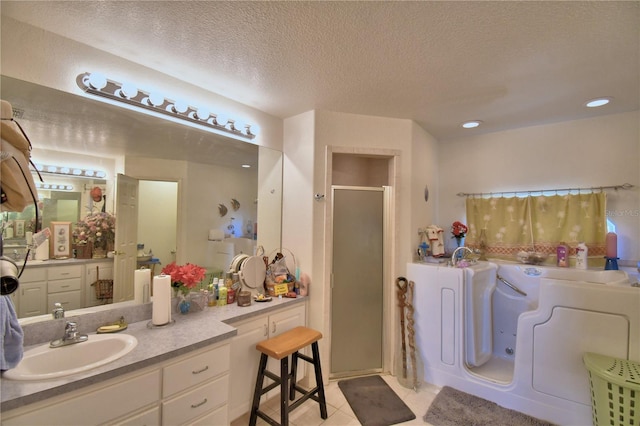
(29, 237)
(216, 235)
(141, 278)
(42, 252)
(161, 311)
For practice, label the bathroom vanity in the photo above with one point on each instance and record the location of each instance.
(68, 282)
(199, 370)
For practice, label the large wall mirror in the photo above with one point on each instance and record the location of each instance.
(203, 169)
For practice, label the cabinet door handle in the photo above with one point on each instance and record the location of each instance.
(204, 401)
(202, 370)
(266, 330)
(64, 286)
(273, 327)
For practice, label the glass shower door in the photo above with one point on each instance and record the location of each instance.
(357, 280)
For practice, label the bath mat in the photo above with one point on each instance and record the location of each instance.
(452, 407)
(374, 402)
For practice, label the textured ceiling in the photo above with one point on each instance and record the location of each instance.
(510, 64)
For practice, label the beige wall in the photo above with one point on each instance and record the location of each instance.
(583, 153)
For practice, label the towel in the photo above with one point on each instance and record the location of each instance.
(11, 335)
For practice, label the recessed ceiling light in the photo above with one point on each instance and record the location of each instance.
(471, 124)
(593, 103)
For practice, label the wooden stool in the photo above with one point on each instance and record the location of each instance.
(280, 347)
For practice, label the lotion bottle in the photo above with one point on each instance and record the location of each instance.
(581, 256)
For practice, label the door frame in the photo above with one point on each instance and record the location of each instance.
(389, 332)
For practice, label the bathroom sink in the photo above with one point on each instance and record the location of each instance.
(43, 362)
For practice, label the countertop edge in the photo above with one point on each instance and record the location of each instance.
(175, 340)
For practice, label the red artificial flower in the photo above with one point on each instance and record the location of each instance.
(459, 229)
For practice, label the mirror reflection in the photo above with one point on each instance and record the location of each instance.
(186, 179)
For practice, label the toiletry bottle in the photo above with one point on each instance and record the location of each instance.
(581, 256)
(562, 252)
(222, 295)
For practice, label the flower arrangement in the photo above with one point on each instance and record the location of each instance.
(96, 227)
(185, 277)
(459, 229)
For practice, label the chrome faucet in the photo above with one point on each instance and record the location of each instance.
(70, 337)
(454, 256)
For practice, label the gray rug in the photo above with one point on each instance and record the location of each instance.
(452, 407)
(374, 402)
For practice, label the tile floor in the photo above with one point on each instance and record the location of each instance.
(338, 409)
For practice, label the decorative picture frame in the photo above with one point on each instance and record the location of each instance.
(19, 225)
(61, 239)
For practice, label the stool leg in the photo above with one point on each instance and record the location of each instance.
(294, 375)
(284, 391)
(257, 393)
(318, 370)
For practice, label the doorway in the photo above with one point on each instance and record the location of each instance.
(357, 285)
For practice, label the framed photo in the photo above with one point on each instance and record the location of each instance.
(61, 239)
(19, 225)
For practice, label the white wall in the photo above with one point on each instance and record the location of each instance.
(582, 153)
(306, 221)
(34, 55)
(202, 188)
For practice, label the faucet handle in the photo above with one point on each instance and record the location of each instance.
(71, 327)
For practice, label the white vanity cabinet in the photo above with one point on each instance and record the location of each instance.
(245, 357)
(64, 284)
(190, 389)
(31, 297)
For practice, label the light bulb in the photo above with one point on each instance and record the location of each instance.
(222, 119)
(52, 169)
(89, 173)
(179, 107)
(254, 129)
(128, 91)
(101, 174)
(202, 114)
(64, 170)
(155, 99)
(97, 81)
(77, 172)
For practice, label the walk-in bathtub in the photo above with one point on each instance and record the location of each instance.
(522, 348)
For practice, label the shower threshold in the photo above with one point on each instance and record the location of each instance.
(497, 370)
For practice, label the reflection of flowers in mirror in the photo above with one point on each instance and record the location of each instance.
(95, 227)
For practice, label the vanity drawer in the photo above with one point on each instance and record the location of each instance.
(195, 370)
(111, 401)
(64, 285)
(196, 402)
(68, 299)
(63, 272)
(32, 275)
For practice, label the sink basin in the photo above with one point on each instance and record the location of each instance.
(43, 362)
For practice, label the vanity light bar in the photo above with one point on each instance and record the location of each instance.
(97, 84)
(54, 186)
(71, 171)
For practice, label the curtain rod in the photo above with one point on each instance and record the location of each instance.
(593, 188)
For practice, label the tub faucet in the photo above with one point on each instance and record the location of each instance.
(454, 256)
(70, 337)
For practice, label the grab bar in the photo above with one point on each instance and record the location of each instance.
(511, 286)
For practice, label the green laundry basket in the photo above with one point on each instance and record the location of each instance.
(615, 390)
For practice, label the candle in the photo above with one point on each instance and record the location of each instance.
(612, 245)
(161, 312)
